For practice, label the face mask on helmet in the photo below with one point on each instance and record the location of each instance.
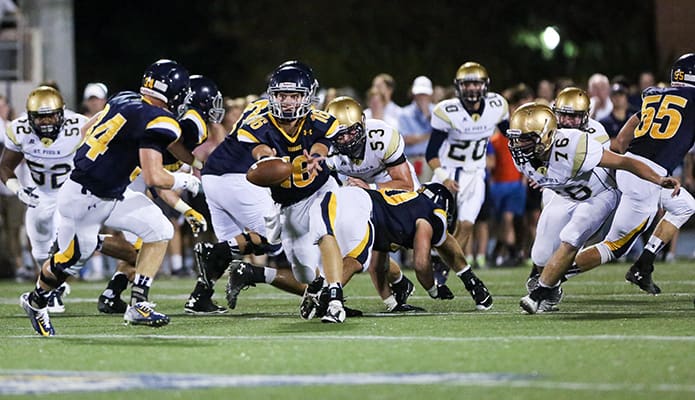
(291, 92)
(531, 131)
(572, 108)
(350, 139)
(169, 82)
(45, 112)
(683, 70)
(444, 199)
(206, 99)
(471, 82)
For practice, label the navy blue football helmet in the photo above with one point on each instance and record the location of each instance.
(443, 198)
(206, 99)
(169, 82)
(292, 77)
(683, 70)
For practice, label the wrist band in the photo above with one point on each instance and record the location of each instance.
(441, 174)
(181, 206)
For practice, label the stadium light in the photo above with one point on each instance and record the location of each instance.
(550, 38)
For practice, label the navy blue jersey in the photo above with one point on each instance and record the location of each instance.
(194, 131)
(315, 127)
(667, 125)
(394, 215)
(109, 158)
(232, 156)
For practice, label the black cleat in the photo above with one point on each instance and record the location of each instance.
(240, 277)
(202, 305)
(402, 290)
(444, 293)
(407, 308)
(111, 306)
(478, 291)
(643, 279)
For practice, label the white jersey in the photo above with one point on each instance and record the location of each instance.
(384, 146)
(597, 131)
(572, 169)
(50, 162)
(468, 134)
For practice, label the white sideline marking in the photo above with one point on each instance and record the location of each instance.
(43, 382)
(573, 338)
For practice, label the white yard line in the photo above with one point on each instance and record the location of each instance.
(570, 338)
(41, 382)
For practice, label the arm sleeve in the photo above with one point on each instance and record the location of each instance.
(436, 139)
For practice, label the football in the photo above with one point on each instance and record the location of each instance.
(270, 171)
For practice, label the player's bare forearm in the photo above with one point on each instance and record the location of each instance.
(620, 143)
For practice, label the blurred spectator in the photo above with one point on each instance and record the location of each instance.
(8, 14)
(11, 215)
(376, 101)
(386, 85)
(233, 108)
(599, 92)
(94, 98)
(415, 126)
(646, 79)
(442, 93)
(546, 90)
(621, 110)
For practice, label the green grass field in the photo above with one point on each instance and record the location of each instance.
(609, 341)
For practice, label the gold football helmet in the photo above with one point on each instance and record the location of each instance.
(571, 107)
(45, 111)
(471, 72)
(531, 132)
(350, 139)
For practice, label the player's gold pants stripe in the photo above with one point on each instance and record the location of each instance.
(362, 250)
(70, 256)
(620, 243)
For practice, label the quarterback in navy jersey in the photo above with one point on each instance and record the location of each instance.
(660, 134)
(127, 137)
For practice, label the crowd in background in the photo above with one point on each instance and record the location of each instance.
(502, 237)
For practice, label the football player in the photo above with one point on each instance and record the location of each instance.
(369, 152)
(351, 222)
(236, 216)
(461, 128)
(285, 125)
(203, 108)
(128, 137)
(660, 135)
(294, 130)
(571, 108)
(46, 136)
(565, 161)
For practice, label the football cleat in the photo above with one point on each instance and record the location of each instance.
(444, 293)
(310, 299)
(406, 308)
(202, 305)
(643, 279)
(542, 299)
(143, 313)
(478, 291)
(114, 305)
(55, 300)
(402, 290)
(240, 277)
(335, 313)
(39, 318)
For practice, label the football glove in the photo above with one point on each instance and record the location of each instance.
(25, 194)
(184, 180)
(196, 221)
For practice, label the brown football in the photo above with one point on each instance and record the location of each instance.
(270, 171)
